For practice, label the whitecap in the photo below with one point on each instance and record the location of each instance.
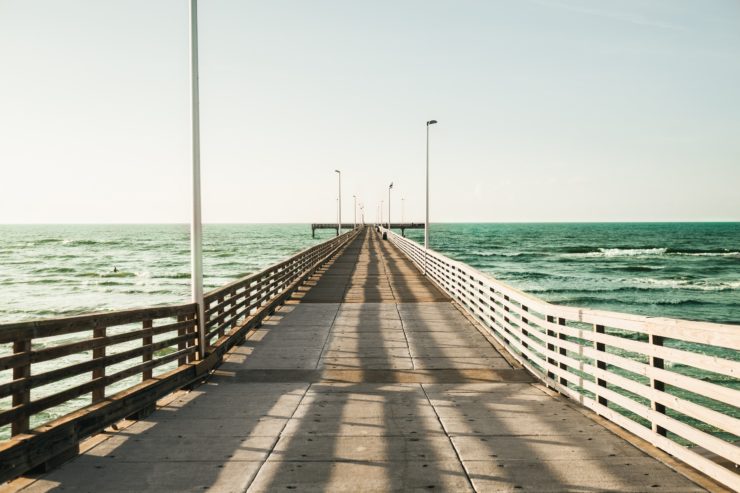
(626, 252)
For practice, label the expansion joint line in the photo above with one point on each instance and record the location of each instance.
(449, 439)
(405, 336)
(277, 439)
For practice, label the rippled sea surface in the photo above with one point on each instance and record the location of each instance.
(689, 270)
(48, 271)
(677, 270)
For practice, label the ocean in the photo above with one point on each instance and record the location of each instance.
(679, 270)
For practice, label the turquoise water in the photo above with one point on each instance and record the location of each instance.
(48, 271)
(689, 271)
(678, 270)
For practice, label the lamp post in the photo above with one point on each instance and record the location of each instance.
(339, 200)
(196, 225)
(426, 219)
(381, 213)
(403, 208)
(389, 205)
(354, 209)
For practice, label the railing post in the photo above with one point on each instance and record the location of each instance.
(182, 344)
(506, 319)
(98, 394)
(561, 350)
(601, 365)
(22, 397)
(218, 315)
(657, 384)
(550, 347)
(193, 329)
(147, 340)
(525, 332)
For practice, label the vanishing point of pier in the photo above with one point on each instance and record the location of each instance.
(367, 376)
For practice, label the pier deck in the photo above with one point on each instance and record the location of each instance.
(370, 379)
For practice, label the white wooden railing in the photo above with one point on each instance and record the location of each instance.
(674, 383)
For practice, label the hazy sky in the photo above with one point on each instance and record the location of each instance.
(550, 110)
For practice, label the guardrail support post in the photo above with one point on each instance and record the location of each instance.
(563, 366)
(601, 365)
(218, 315)
(22, 397)
(147, 340)
(551, 347)
(98, 394)
(525, 332)
(182, 344)
(506, 319)
(657, 384)
(193, 329)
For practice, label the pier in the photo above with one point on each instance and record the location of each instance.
(364, 364)
(347, 226)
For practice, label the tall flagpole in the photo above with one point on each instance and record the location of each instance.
(196, 226)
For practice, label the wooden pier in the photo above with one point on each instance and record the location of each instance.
(369, 378)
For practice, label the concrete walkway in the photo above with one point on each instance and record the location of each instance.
(371, 380)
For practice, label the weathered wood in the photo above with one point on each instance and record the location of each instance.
(35, 329)
(98, 354)
(146, 341)
(21, 397)
(61, 350)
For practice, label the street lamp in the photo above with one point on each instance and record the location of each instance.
(354, 209)
(389, 205)
(196, 224)
(339, 206)
(426, 219)
(403, 208)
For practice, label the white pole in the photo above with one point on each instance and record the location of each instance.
(426, 218)
(389, 205)
(339, 226)
(196, 227)
(403, 209)
(354, 209)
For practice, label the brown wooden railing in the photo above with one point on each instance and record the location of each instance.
(226, 307)
(674, 383)
(103, 367)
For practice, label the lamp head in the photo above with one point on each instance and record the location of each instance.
(391, 185)
(337, 171)
(431, 122)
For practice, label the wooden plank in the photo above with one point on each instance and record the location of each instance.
(35, 329)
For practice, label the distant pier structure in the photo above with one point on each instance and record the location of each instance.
(347, 226)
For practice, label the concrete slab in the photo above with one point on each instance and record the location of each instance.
(441, 363)
(630, 474)
(362, 448)
(366, 476)
(148, 476)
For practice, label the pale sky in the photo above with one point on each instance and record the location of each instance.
(549, 110)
